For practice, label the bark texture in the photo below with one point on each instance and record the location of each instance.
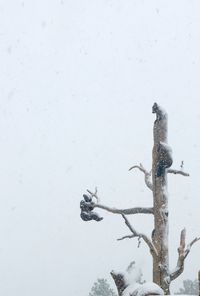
(160, 233)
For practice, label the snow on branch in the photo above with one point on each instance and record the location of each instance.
(182, 254)
(147, 175)
(120, 282)
(139, 235)
(129, 211)
(177, 172)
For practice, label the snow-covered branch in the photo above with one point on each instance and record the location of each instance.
(147, 175)
(182, 254)
(139, 235)
(120, 281)
(129, 283)
(129, 211)
(187, 251)
(177, 172)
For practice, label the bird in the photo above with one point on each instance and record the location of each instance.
(164, 159)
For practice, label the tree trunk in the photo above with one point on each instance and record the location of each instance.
(160, 233)
(119, 282)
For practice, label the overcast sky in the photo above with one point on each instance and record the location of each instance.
(78, 80)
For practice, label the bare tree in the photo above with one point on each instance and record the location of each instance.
(156, 181)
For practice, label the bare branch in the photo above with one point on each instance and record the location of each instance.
(147, 175)
(182, 254)
(126, 236)
(94, 194)
(140, 235)
(130, 211)
(177, 172)
(187, 251)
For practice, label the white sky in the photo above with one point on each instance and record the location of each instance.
(78, 80)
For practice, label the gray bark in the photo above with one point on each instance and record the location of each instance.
(160, 235)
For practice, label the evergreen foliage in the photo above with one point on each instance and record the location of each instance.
(102, 288)
(189, 287)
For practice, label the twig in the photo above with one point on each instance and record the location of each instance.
(187, 251)
(177, 172)
(182, 254)
(126, 236)
(147, 175)
(140, 235)
(94, 194)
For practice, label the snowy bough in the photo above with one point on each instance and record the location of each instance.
(156, 181)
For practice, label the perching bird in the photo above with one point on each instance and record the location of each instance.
(160, 112)
(164, 159)
(87, 207)
(88, 216)
(155, 109)
(87, 198)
